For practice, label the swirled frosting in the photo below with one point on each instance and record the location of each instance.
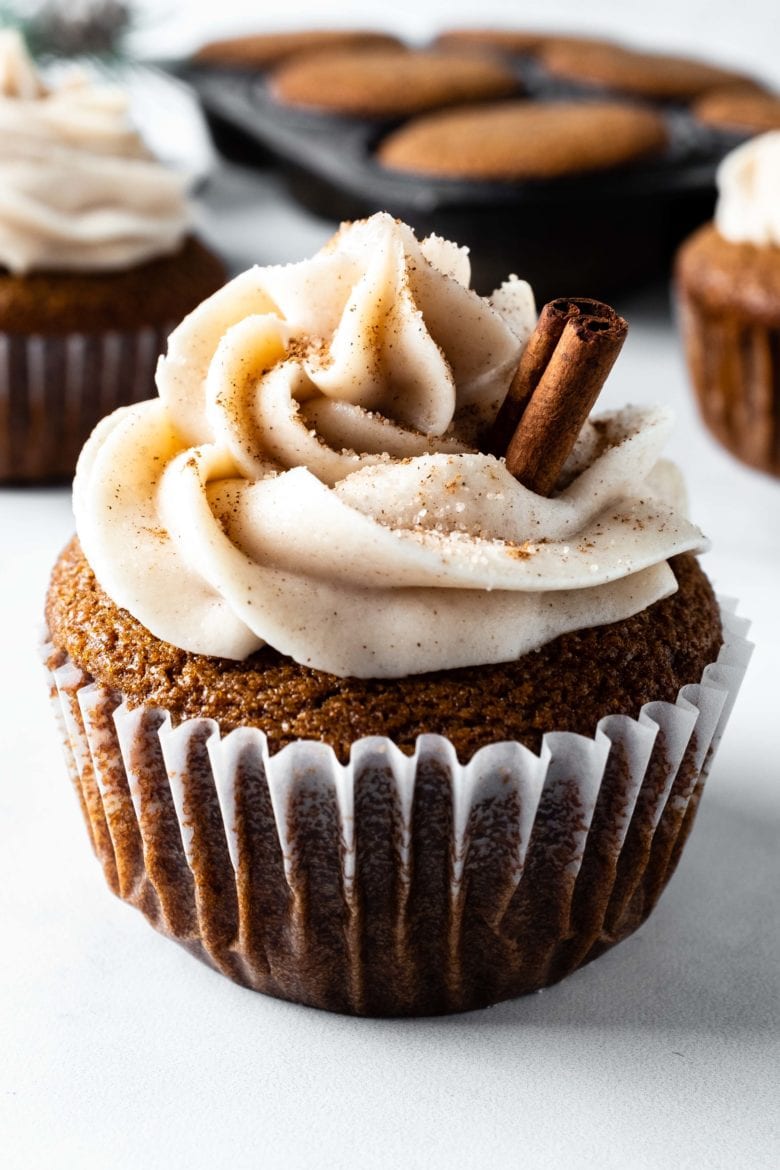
(748, 209)
(307, 478)
(78, 189)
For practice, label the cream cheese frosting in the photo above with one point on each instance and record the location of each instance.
(308, 478)
(748, 208)
(78, 189)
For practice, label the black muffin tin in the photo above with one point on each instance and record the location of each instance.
(600, 233)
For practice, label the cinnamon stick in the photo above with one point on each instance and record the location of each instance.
(562, 371)
(535, 358)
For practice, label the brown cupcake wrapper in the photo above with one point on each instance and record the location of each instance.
(734, 365)
(54, 390)
(394, 885)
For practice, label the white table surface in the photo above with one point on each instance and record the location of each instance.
(118, 1050)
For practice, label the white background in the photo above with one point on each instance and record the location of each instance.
(745, 33)
(119, 1050)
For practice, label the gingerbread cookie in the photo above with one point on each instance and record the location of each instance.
(748, 111)
(651, 75)
(524, 140)
(268, 49)
(387, 84)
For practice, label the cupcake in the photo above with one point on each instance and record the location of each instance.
(728, 291)
(97, 262)
(387, 680)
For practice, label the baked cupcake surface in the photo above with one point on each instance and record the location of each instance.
(651, 75)
(728, 288)
(733, 278)
(524, 140)
(746, 111)
(263, 50)
(379, 84)
(97, 261)
(153, 293)
(302, 556)
(570, 683)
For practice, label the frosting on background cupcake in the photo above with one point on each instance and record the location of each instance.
(79, 191)
(308, 477)
(748, 209)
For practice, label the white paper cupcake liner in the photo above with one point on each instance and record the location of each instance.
(53, 390)
(394, 884)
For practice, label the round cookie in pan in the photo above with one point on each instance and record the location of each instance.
(657, 76)
(745, 111)
(515, 42)
(511, 41)
(264, 50)
(524, 140)
(390, 84)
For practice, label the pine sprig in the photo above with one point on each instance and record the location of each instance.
(72, 28)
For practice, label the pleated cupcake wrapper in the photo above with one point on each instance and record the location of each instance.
(735, 369)
(53, 390)
(394, 884)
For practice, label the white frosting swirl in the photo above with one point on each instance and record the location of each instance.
(78, 189)
(748, 209)
(305, 478)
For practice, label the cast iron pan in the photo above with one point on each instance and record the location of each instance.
(597, 233)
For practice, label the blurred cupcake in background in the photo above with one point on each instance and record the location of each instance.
(97, 262)
(728, 287)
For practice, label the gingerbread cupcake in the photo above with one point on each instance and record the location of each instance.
(728, 290)
(388, 681)
(97, 261)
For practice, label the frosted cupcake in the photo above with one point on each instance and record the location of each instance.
(367, 717)
(97, 262)
(728, 290)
